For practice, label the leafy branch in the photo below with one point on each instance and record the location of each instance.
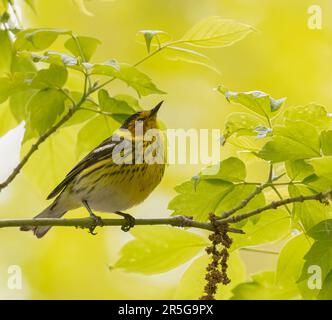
(177, 221)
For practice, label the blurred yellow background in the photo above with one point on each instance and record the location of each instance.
(283, 58)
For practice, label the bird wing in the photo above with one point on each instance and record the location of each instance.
(101, 152)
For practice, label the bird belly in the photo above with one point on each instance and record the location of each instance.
(118, 192)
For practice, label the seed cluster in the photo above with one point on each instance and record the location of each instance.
(217, 268)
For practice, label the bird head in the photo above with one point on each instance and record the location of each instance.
(146, 118)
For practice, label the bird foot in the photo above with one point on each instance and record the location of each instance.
(97, 221)
(129, 221)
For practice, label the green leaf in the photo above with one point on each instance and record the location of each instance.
(7, 121)
(298, 169)
(187, 55)
(113, 105)
(54, 159)
(193, 280)
(53, 77)
(137, 80)
(326, 293)
(322, 166)
(261, 287)
(199, 200)
(231, 169)
(43, 109)
(308, 212)
(4, 89)
(5, 52)
(326, 142)
(314, 114)
(130, 75)
(22, 63)
(12, 84)
(83, 47)
(3, 7)
(256, 101)
(130, 100)
(38, 39)
(290, 262)
(159, 249)
(243, 124)
(18, 104)
(216, 32)
(94, 132)
(296, 140)
(321, 231)
(272, 225)
(149, 36)
(320, 254)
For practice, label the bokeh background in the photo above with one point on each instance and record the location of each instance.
(284, 58)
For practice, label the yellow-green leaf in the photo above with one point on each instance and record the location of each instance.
(159, 249)
(216, 32)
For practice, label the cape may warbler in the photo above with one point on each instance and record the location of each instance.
(118, 174)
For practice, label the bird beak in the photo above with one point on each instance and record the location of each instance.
(154, 111)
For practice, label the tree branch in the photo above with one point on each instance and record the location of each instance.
(322, 197)
(177, 221)
(244, 202)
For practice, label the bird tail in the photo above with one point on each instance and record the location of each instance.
(52, 211)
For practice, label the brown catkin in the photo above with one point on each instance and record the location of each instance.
(216, 271)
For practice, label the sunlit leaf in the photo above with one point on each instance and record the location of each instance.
(298, 169)
(5, 52)
(308, 212)
(130, 75)
(243, 124)
(296, 140)
(53, 77)
(7, 120)
(55, 158)
(314, 114)
(38, 39)
(216, 32)
(149, 36)
(83, 47)
(44, 108)
(18, 104)
(272, 225)
(159, 249)
(199, 200)
(262, 287)
(94, 132)
(256, 101)
(290, 262)
(326, 142)
(113, 105)
(186, 55)
(231, 169)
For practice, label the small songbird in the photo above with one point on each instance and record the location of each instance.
(118, 174)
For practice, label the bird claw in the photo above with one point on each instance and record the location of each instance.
(129, 222)
(98, 221)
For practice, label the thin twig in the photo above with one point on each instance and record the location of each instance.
(322, 197)
(244, 202)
